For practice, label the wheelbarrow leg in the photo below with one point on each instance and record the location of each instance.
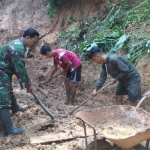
(95, 140)
(85, 133)
(147, 144)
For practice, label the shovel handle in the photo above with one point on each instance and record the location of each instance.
(88, 98)
(41, 104)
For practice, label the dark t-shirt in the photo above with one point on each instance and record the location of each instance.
(118, 68)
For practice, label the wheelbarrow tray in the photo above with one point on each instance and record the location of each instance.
(123, 125)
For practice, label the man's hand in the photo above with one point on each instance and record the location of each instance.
(147, 94)
(113, 81)
(94, 93)
(29, 89)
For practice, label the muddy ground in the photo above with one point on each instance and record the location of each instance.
(67, 132)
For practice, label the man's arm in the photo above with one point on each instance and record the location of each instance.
(68, 63)
(19, 68)
(68, 66)
(100, 81)
(102, 78)
(55, 67)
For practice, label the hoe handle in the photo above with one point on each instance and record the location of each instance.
(140, 102)
(88, 99)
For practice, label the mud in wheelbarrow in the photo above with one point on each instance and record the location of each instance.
(123, 125)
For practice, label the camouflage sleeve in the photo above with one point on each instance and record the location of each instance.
(17, 56)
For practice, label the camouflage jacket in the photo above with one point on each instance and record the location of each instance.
(11, 61)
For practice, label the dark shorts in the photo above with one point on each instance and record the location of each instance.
(75, 75)
(133, 90)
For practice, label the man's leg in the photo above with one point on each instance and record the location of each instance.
(73, 91)
(68, 90)
(14, 106)
(120, 91)
(5, 103)
(134, 93)
(75, 77)
(119, 100)
(134, 103)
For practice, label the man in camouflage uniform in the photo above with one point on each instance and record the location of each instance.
(12, 62)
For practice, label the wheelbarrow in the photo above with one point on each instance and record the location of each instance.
(123, 125)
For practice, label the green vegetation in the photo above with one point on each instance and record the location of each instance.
(124, 26)
(70, 19)
(53, 6)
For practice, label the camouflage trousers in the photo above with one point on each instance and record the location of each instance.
(6, 90)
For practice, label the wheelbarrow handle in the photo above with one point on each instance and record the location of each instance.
(50, 79)
(140, 102)
(88, 99)
(41, 104)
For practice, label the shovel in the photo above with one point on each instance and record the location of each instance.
(43, 82)
(42, 105)
(88, 99)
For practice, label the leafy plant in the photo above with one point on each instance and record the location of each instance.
(70, 19)
(53, 6)
(125, 27)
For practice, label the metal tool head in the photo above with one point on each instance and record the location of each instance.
(43, 82)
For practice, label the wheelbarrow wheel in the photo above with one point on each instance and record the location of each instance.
(102, 144)
(116, 147)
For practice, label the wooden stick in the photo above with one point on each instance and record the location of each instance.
(88, 98)
(60, 137)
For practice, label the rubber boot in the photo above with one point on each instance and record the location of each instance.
(7, 123)
(14, 106)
